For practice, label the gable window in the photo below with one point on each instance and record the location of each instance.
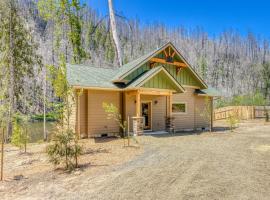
(179, 107)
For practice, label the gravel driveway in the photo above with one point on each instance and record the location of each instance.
(220, 165)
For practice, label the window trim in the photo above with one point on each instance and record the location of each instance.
(180, 113)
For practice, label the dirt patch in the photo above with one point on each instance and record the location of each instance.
(25, 171)
(263, 148)
(218, 165)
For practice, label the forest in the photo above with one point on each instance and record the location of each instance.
(36, 35)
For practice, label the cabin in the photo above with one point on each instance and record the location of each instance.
(149, 91)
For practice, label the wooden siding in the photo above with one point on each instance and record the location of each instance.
(98, 123)
(201, 121)
(194, 104)
(161, 81)
(94, 122)
(184, 120)
(83, 113)
(158, 110)
(185, 77)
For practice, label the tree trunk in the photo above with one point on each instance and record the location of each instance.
(2, 154)
(45, 137)
(114, 33)
(11, 72)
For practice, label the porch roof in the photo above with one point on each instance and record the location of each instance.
(170, 82)
(211, 92)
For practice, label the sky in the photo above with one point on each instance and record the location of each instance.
(214, 16)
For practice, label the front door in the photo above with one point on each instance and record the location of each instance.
(146, 114)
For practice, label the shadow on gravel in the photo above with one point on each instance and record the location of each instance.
(105, 139)
(176, 134)
(221, 130)
(95, 151)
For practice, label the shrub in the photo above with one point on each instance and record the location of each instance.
(254, 99)
(64, 149)
(232, 120)
(20, 136)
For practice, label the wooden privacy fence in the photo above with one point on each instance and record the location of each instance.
(243, 112)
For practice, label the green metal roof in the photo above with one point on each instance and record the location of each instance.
(88, 76)
(212, 92)
(104, 77)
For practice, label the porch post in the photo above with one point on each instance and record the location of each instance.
(138, 103)
(170, 104)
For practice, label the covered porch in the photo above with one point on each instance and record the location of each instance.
(147, 109)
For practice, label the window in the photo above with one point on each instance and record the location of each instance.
(179, 108)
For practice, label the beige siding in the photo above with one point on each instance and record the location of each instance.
(94, 122)
(185, 120)
(201, 120)
(130, 108)
(158, 110)
(98, 123)
(192, 118)
(83, 113)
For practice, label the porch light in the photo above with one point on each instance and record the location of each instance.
(155, 101)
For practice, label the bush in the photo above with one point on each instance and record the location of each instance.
(50, 117)
(20, 136)
(64, 149)
(232, 120)
(255, 99)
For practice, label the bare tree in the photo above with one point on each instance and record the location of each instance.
(114, 33)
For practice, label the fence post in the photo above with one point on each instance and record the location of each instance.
(128, 130)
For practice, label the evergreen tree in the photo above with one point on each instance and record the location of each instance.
(65, 15)
(17, 55)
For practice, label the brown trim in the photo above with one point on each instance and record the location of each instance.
(96, 88)
(162, 61)
(138, 103)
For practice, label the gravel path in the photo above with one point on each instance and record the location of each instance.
(221, 165)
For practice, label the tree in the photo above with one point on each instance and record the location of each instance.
(65, 143)
(232, 120)
(65, 15)
(20, 136)
(113, 113)
(2, 153)
(207, 112)
(266, 78)
(64, 149)
(114, 33)
(18, 55)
